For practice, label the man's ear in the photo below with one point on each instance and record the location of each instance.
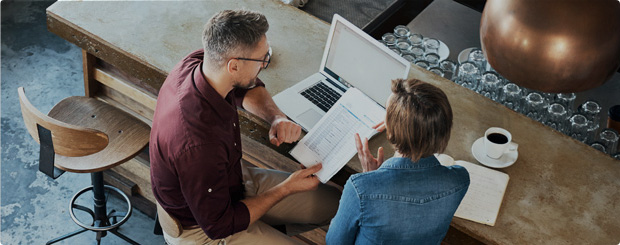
(232, 66)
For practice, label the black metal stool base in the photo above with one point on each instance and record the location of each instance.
(100, 234)
(101, 221)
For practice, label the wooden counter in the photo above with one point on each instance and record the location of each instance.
(560, 190)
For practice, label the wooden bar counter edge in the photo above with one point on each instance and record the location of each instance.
(560, 190)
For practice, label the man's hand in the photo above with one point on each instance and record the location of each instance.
(369, 162)
(299, 181)
(283, 131)
(302, 180)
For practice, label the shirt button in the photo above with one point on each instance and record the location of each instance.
(234, 125)
(209, 190)
(235, 143)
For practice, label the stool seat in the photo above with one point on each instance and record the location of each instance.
(86, 135)
(127, 135)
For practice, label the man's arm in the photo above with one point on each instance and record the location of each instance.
(203, 180)
(259, 102)
(299, 181)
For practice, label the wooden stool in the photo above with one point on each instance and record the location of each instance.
(169, 224)
(85, 135)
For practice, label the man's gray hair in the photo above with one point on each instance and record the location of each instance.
(232, 32)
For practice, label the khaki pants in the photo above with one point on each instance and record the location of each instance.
(299, 213)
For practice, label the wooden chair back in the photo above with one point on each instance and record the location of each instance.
(68, 140)
(170, 225)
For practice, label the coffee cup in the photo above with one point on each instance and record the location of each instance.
(497, 142)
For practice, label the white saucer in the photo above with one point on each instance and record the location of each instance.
(464, 56)
(477, 149)
(443, 50)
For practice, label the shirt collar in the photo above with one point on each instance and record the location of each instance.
(404, 162)
(225, 108)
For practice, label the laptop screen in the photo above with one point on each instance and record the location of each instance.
(362, 62)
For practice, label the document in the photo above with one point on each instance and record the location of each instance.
(485, 194)
(331, 141)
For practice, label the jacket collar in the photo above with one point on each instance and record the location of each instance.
(403, 162)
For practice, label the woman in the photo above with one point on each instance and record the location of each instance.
(410, 198)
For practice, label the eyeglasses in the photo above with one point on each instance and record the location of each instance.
(265, 61)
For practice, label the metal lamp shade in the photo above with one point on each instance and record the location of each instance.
(552, 45)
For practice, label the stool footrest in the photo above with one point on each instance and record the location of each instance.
(103, 225)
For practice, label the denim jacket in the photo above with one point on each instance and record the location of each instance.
(402, 202)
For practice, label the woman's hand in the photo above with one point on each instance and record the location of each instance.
(369, 162)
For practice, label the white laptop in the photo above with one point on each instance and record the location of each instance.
(351, 58)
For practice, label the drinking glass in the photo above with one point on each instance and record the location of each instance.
(556, 117)
(592, 110)
(401, 31)
(409, 57)
(432, 45)
(416, 40)
(568, 100)
(592, 132)
(395, 50)
(476, 56)
(549, 97)
(389, 39)
(490, 85)
(404, 46)
(578, 127)
(449, 68)
(609, 138)
(432, 59)
(437, 71)
(599, 146)
(525, 90)
(417, 51)
(535, 106)
(512, 97)
(468, 75)
(422, 63)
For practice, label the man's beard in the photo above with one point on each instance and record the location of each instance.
(248, 85)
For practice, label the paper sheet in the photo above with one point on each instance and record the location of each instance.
(331, 141)
(485, 194)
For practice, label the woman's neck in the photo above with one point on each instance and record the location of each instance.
(397, 154)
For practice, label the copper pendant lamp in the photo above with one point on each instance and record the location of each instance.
(552, 45)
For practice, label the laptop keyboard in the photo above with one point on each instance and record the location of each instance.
(321, 95)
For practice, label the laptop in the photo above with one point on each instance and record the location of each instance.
(351, 58)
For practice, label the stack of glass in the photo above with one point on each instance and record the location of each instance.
(558, 111)
(419, 50)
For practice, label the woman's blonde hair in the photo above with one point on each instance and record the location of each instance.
(419, 119)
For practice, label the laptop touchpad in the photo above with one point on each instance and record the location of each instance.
(310, 116)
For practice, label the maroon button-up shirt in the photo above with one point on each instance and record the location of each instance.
(195, 152)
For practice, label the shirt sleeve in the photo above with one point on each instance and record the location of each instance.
(345, 225)
(239, 93)
(203, 175)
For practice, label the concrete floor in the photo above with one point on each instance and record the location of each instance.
(34, 207)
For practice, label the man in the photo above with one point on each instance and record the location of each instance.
(195, 147)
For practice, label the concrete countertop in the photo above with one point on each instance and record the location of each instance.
(560, 190)
(161, 33)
